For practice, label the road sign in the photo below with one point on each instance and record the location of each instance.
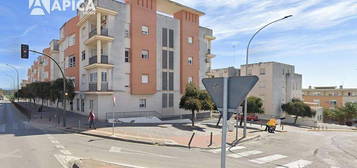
(228, 94)
(238, 89)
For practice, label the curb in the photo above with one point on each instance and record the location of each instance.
(123, 139)
(334, 130)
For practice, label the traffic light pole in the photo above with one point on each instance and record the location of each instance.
(64, 86)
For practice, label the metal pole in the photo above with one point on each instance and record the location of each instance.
(237, 126)
(224, 125)
(18, 78)
(246, 70)
(64, 85)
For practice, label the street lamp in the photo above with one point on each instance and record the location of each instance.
(25, 54)
(246, 70)
(18, 78)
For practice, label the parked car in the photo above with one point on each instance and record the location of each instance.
(250, 117)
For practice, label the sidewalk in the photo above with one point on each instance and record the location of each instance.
(177, 135)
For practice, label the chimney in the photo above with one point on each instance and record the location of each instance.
(341, 86)
(310, 87)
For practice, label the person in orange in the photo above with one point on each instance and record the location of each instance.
(271, 124)
(91, 119)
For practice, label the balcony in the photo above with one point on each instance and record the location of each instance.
(103, 37)
(93, 60)
(209, 54)
(92, 87)
(103, 32)
(105, 86)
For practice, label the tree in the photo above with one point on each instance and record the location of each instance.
(190, 101)
(255, 105)
(297, 108)
(341, 115)
(350, 111)
(195, 100)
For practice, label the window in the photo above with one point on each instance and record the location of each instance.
(189, 61)
(127, 55)
(144, 78)
(82, 105)
(91, 104)
(71, 61)
(164, 59)
(164, 37)
(333, 103)
(164, 80)
(83, 55)
(171, 38)
(164, 100)
(189, 80)
(78, 105)
(142, 103)
(126, 33)
(171, 100)
(145, 30)
(171, 81)
(72, 40)
(145, 54)
(262, 71)
(249, 72)
(71, 105)
(190, 40)
(171, 60)
(93, 77)
(104, 77)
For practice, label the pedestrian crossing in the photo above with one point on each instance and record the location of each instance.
(260, 158)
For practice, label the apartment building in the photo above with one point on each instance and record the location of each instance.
(225, 72)
(278, 84)
(330, 97)
(140, 53)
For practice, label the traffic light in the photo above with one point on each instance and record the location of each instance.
(24, 51)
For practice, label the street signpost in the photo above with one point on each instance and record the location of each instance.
(228, 93)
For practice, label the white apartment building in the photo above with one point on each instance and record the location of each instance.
(278, 84)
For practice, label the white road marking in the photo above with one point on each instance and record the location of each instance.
(59, 146)
(114, 149)
(123, 164)
(227, 149)
(65, 160)
(55, 142)
(268, 159)
(66, 152)
(245, 154)
(296, 164)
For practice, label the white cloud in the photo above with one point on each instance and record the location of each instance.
(233, 17)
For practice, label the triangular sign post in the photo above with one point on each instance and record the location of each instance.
(238, 89)
(228, 94)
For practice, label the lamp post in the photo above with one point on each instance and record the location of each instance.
(18, 78)
(246, 70)
(25, 54)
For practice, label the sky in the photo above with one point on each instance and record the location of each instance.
(320, 40)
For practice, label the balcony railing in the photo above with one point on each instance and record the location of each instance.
(104, 32)
(93, 87)
(93, 60)
(105, 86)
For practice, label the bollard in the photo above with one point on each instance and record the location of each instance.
(189, 143)
(211, 140)
(79, 124)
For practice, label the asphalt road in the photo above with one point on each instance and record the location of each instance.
(23, 145)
